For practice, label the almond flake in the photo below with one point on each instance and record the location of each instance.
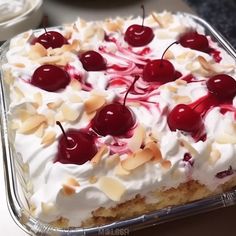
(68, 190)
(169, 55)
(113, 188)
(226, 139)
(112, 160)
(40, 130)
(75, 98)
(113, 26)
(172, 88)
(50, 118)
(68, 113)
(135, 142)
(75, 84)
(205, 64)
(214, 156)
(20, 65)
(32, 123)
(72, 182)
(119, 170)
(54, 105)
(139, 158)
(93, 179)
(180, 82)
(38, 98)
(182, 99)
(97, 158)
(94, 103)
(157, 19)
(48, 208)
(14, 125)
(19, 93)
(157, 156)
(48, 138)
(189, 147)
(166, 164)
(37, 51)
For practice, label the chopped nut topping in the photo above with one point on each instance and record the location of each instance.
(97, 158)
(113, 188)
(94, 103)
(48, 138)
(135, 142)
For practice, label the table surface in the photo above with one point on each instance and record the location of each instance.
(219, 222)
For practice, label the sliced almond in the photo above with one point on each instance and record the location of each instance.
(189, 147)
(135, 142)
(119, 170)
(48, 138)
(68, 190)
(14, 125)
(180, 82)
(215, 155)
(19, 93)
(23, 114)
(157, 156)
(182, 99)
(172, 88)
(37, 51)
(139, 158)
(54, 105)
(75, 84)
(38, 98)
(50, 118)
(112, 160)
(169, 55)
(19, 65)
(166, 164)
(157, 19)
(32, 123)
(75, 98)
(40, 130)
(72, 182)
(226, 139)
(113, 26)
(93, 179)
(205, 64)
(48, 208)
(113, 188)
(68, 113)
(94, 103)
(97, 158)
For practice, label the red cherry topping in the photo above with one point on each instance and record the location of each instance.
(51, 39)
(183, 118)
(222, 86)
(50, 78)
(194, 40)
(139, 35)
(115, 118)
(160, 70)
(75, 147)
(92, 61)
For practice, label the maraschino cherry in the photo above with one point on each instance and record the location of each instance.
(75, 146)
(51, 39)
(184, 118)
(222, 86)
(50, 78)
(139, 35)
(93, 61)
(194, 40)
(114, 119)
(160, 70)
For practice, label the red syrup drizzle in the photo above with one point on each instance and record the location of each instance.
(74, 74)
(222, 89)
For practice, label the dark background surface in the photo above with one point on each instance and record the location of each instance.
(219, 13)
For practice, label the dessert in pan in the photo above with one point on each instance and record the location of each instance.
(117, 118)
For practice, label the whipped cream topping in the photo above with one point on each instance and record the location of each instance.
(12, 9)
(149, 104)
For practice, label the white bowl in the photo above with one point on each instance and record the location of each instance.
(29, 19)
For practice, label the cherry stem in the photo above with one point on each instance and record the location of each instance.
(63, 131)
(136, 77)
(176, 42)
(142, 6)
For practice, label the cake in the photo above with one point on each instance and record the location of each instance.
(117, 118)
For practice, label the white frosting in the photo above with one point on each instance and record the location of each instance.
(48, 177)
